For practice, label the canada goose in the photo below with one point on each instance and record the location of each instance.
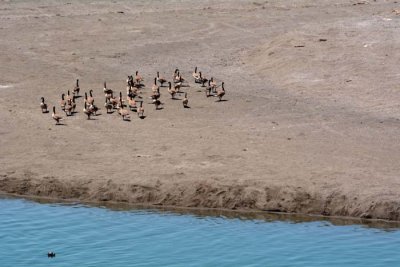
(196, 75)
(68, 108)
(161, 80)
(123, 112)
(87, 111)
(156, 94)
(113, 100)
(171, 91)
(221, 93)
(213, 84)
(208, 89)
(130, 81)
(43, 106)
(132, 104)
(138, 78)
(140, 111)
(106, 90)
(62, 102)
(77, 88)
(89, 100)
(120, 100)
(73, 104)
(202, 79)
(157, 103)
(56, 117)
(93, 109)
(155, 87)
(68, 96)
(185, 101)
(108, 105)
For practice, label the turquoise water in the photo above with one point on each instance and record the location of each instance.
(90, 236)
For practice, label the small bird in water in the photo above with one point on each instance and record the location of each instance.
(51, 254)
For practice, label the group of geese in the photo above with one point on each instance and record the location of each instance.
(133, 101)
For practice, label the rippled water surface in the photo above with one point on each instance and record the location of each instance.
(88, 236)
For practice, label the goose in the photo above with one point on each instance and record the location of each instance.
(56, 117)
(89, 100)
(185, 101)
(87, 111)
(68, 96)
(138, 78)
(156, 94)
(221, 93)
(171, 91)
(62, 102)
(208, 89)
(212, 83)
(140, 111)
(157, 103)
(132, 104)
(68, 108)
(108, 105)
(43, 106)
(202, 79)
(155, 87)
(161, 80)
(77, 88)
(73, 104)
(93, 109)
(107, 90)
(120, 100)
(130, 81)
(196, 75)
(123, 112)
(113, 100)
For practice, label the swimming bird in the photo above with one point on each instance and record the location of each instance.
(43, 106)
(51, 254)
(56, 117)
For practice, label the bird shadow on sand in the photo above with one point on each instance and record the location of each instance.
(186, 107)
(61, 124)
(142, 117)
(111, 112)
(176, 98)
(222, 100)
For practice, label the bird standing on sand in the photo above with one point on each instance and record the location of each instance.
(43, 106)
(56, 117)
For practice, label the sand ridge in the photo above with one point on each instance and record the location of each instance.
(307, 128)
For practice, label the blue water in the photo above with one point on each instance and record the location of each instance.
(89, 236)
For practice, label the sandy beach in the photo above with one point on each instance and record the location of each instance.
(310, 125)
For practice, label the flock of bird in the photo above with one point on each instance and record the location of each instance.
(134, 100)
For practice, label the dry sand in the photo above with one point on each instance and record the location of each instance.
(309, 126)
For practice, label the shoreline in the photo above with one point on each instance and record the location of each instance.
(310, 124)
(206, 198)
